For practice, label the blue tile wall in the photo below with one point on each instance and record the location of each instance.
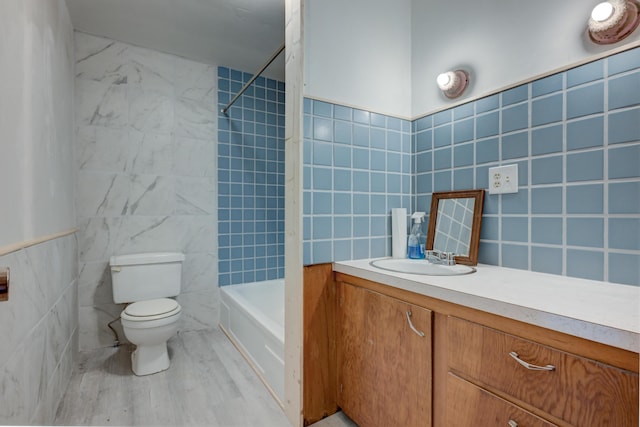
(251, 177)
(575, 136)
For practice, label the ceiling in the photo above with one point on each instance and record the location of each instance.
(240, 34)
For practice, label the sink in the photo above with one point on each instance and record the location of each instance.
(421, 266)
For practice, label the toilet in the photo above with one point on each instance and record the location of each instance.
(147, 281)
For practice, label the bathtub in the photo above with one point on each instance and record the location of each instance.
(252, 316)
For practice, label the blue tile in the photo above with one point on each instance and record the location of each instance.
(623, 268)
(394, 162)
(424, 123)
(361, 135)
(463, 131)
(342, 180)
(624, 162)
(424, 183)
(342, 156)
(547, 85)
(442, 159)
(482, 177)
(546, 140)
(322, 178)
(342, 132)
(361, 116)
(515, 145)
(423, 162)
(361, 248)
(423, 141)
(321, 203)
(585, 199)
(624, 61)
(442, 181)
(516, 203)
(361, 204)
(323, 109)
(322, 129)
(523, 172)
(585, 100)
(380, 247)
(306, 203)
(341, 227)
(487, 104)
(515, 256)
(547, 170)
(394, 183)
(585, 73)
(308, 127)
(378, 182)
(546, 230)
(624, 233)
(321, 252)
(515, 95)
(360, 181)
(378, 120)
(223, 72)
(487, 151)
(585, 232)
(491, 204)
(342, 113)
(378, 138)
(378, 225)
(515, 229)
(360, 158)
(394, 141)
(442, 136)
(585, 133)
(361, 226)
(586, 166)
(463, 179)
(321, 227)
(624, 91)
(394, 123)
(487, 125)
(490, 229)
(546, 200)
(624, 197)
(462, 111)
(341, 250)
(463, 155)
(546, 110)
(322, 154)
(489, 253)
(306, 228)
(546, 260)
(585, 264)
(378, 160)
(442, 117)
(515, 118)
(624, 126)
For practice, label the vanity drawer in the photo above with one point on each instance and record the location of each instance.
(577, 390)
(471, 406)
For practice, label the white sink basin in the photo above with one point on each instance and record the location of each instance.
(421, 266)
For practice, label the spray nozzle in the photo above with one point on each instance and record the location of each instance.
(417, 217)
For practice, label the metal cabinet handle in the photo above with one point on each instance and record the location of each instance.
(512, 423)
(413, 328)
(529, 365)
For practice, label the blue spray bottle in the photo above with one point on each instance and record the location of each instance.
(415, 241)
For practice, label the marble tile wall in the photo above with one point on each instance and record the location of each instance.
(40, 331)
(146, 168)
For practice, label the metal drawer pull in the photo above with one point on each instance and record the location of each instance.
(413, 328)
(513, 423)
(529, 365)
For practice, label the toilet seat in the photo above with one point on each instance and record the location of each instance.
(155, 309)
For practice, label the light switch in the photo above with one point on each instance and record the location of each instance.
(503, 179)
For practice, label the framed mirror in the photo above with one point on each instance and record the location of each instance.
(454, 224)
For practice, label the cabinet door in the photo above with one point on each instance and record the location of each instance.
(384, 366)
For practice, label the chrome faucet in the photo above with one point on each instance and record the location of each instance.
(439, 257)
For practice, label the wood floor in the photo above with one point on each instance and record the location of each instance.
(208, 383)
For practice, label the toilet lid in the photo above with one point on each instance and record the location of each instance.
(153, 307)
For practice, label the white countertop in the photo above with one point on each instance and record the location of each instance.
(608, 313)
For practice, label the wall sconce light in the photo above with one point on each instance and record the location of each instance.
(453, 83)
(613, 20)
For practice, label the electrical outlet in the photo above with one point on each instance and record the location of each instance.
(503, 179)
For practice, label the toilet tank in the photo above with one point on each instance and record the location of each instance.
(138, 277)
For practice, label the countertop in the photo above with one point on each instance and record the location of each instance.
(607, 313)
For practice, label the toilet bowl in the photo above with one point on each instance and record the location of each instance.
(149, 325)
(146, 282)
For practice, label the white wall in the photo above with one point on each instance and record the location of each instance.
(358, 53)
(500, 42)
(40, 319)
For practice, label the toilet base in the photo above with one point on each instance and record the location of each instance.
(147, 360)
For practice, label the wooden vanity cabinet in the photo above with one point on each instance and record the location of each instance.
(384, 359)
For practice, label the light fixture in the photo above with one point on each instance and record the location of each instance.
(613, 20)
(453, 83)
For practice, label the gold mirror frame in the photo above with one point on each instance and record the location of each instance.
(478, 196)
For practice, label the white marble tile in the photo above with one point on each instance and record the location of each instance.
(200, 272)
(150, 70)
(194, 119)
(101, 149)
(100, 59)
(150, 153)
(14, 390)
(39, 370)
(194, 157)
(196, 196)
(146, 234)
(151, 195)
(94, 284)
(97, 238)
(93, 329)
(102, 194)
(195, 81)
(197, 233)
(101, 104)
(150, 111)
(199, 310)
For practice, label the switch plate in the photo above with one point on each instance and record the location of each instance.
(503, 179)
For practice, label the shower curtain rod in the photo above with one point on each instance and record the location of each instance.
(255, 76)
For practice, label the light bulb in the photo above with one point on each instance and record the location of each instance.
(602, 12)
(443, 80)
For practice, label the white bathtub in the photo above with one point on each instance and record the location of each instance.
(252, 316)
